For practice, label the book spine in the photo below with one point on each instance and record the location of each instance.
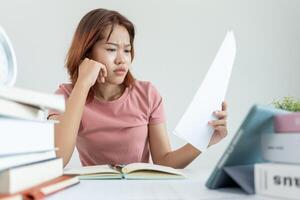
(281, 147)
(277, 180)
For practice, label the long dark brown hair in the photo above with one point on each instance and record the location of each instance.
(90, 30)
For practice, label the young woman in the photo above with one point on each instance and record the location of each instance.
(111, 117)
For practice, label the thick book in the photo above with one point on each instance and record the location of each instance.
(284, 148)
(277, 180)
(130, 171)
(21, 136)
(34, 98)
(19, 178)
(15, 109)
(25, 158)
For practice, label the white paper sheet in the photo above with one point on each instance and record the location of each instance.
(193, 126)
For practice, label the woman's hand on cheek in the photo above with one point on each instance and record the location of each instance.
(219, 125)
(89, 71)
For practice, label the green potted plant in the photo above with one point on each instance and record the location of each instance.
(288, 103)
(290, 122)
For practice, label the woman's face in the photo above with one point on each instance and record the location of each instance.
(114, 53)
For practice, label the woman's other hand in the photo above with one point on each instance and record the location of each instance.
(219, 125)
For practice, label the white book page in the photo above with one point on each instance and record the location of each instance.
(149, 167)
(193, 126)
(96, 169)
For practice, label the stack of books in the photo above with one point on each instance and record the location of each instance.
(29, 167)
(280, 175)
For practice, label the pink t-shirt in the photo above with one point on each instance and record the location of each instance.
(116, 132)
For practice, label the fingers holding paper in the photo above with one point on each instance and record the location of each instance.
(219, 125)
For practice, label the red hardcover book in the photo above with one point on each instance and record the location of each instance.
(40, 191)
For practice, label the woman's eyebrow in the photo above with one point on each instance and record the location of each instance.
(115, 44)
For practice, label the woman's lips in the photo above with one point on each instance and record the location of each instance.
(120, 71)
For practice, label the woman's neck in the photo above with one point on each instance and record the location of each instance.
(110, 92)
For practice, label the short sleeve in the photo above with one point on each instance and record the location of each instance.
(157, 114)
(65, 90)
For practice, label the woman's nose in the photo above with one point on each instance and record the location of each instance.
(120, 58)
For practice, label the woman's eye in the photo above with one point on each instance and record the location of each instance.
(127, 51)
(111, 50)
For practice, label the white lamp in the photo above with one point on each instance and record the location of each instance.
(8, 63)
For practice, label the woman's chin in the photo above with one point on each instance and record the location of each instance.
(116, 81)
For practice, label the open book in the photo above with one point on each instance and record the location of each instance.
(130, 171)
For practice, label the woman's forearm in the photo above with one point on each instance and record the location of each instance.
(181, 157)
(67, 129)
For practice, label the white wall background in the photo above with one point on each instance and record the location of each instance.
(176, 42)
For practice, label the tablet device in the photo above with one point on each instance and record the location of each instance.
(244, 148)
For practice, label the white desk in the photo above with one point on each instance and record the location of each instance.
(191, 188)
